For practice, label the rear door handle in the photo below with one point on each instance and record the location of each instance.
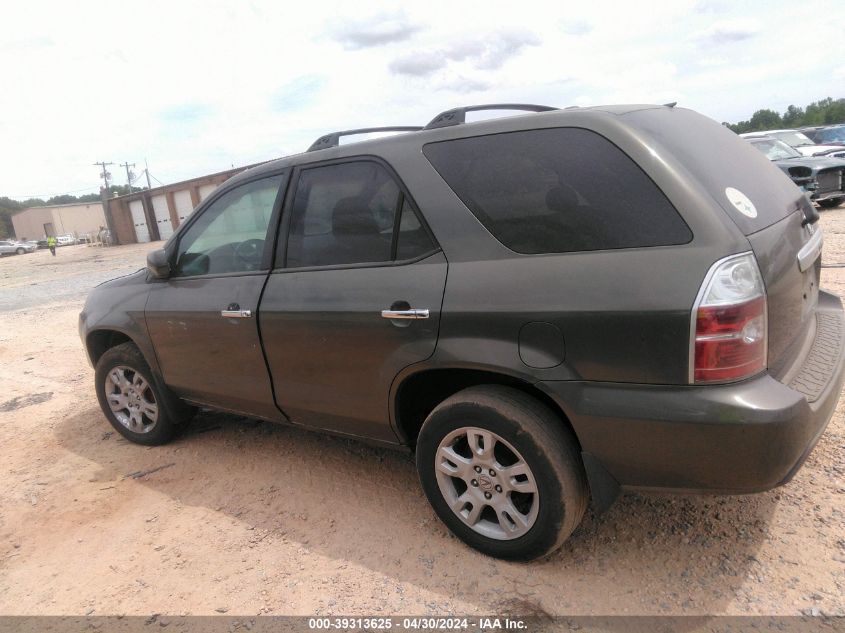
(405, 314)
(233, 311)
(810, 252)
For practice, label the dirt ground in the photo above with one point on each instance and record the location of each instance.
(245, 518)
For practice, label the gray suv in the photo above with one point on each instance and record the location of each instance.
(546, 308)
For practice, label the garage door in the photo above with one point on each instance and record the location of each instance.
(184, 207)
(162, 215)
(206, 190)
(142, 231)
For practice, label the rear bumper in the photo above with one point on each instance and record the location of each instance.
(739, 438)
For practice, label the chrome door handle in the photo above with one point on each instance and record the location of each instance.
(810, 252)
(236, 314)
(405, 314)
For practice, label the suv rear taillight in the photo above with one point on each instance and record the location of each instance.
(729, 324)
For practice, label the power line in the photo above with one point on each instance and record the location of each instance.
(103, 164)
(154, 178)
(149, 175)
(51, 195)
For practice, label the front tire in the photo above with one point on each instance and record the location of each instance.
(503, 472)
(132, 400)
(20, 251)
(830, 203)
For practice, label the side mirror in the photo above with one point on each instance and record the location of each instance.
(158, 264)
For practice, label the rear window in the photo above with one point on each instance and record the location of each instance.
(557, 190)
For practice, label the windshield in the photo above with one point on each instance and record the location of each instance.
(831, 135)
(775, 149)
(794, 139)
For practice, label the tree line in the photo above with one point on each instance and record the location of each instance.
(9, 207)
(824, 112)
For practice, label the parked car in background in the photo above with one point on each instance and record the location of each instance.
(12, 247)
(822, 178)
(545, 308)
(66, 240)
(801, 142)
(830, 134)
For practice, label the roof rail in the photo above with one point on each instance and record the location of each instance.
(333, 139)
(457, 116)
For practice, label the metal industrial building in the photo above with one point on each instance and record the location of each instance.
(79, 219)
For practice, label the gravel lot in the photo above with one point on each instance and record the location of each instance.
(245, 518)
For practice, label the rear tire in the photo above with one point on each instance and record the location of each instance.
(830, 203)
(133, 401)
(503, 472)
(20, 251)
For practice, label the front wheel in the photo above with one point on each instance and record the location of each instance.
(132, 401)
(830, 203)
(502, 472)
(20, 251)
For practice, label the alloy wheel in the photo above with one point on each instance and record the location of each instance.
(487, 483)
(131, 399)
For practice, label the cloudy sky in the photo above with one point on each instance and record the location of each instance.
(196, 87)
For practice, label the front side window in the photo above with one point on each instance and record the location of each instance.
(557, 190)
(347, 214)
(229, 236)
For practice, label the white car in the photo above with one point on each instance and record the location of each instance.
(66, 240)
(9, 247)
(801, 142)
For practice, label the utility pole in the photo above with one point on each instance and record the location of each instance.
(105, 175)
(147, 172)
(104, 196)
(127, 165)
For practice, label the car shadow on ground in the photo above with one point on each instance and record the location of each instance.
(348, 501)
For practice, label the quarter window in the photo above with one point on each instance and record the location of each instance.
(413, 240)
(557, 190)
(230, 235)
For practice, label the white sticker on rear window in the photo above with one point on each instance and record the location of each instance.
(741, 202)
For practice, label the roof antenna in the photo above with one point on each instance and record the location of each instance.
(671, 104)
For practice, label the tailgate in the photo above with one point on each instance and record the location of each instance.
(789, 256)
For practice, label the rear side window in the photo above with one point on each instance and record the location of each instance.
(557, 190)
